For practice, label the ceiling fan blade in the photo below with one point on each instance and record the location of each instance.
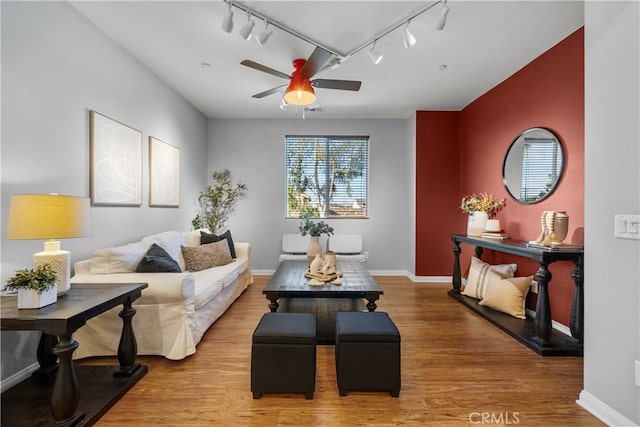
(269, 92)
(337, 84)
(264, 68)
(316, 61)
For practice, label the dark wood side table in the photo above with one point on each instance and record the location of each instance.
(26, 403)
(537, 333)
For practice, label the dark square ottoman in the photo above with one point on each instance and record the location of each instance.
(367, 353)
(283, 354)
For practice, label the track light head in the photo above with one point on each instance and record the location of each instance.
(442, 19)
(246, 31)
(263, 37)
(227, 22)
(408, 38)
(375, 56)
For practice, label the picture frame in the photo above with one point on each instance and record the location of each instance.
(115, 162)
(164, 174)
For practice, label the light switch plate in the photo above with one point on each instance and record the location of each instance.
(627, 227)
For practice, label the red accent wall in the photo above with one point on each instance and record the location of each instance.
(548, 92)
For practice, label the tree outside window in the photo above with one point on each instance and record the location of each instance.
(327, 176)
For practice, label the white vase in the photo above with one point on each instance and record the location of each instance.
(28, 298)
(316, 264)
(477, 223)
(314, 248)
(493, 226)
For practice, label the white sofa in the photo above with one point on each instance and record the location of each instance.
(346, 246)
(176, 309)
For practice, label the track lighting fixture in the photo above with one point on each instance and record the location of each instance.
(442, 19)
(264, 36)
(408, 38)
(246, 31)
(375, 56)
(227, 23)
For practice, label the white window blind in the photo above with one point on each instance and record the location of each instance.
(541, 166)
(327, 176)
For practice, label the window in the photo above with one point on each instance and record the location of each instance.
(327, 176)
(541, 167)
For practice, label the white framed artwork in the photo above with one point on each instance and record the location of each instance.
(164, 174)
(115, 162)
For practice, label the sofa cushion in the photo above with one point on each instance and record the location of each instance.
(170, 241)
(192, 238)
(212, 238)
(206, 256)
(157, 260)
(119, 259)
(207, 283)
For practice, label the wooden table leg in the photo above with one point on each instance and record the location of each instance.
(576, 321)
(128, 347)
(457, 275)
(46, 359)
(66, 394)
(543, 308)
(371, 304)
(273, 305)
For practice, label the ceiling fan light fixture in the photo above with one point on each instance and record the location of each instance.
(375, 56)
(300, 92)
(227, 22)
(442, 19)
(408, 38)
(246, 31)
(263, 37)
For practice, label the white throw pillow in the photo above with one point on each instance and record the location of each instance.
(478, 280)
(120, 259)
(170, 241)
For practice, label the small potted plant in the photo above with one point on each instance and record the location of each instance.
(36, 288)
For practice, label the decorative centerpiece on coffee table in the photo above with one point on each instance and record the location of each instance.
(315, 229)
(36, 288)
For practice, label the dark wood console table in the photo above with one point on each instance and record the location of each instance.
(537, 333)
(52, 396)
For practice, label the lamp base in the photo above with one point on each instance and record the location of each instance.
(61, 263)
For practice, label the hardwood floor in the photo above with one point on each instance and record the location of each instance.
(457, 370)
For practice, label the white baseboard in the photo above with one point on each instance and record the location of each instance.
(602, 411)
(18, 377)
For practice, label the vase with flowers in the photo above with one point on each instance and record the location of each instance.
(315, 229)
(480, 207)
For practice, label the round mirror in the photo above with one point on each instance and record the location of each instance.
(533, 165)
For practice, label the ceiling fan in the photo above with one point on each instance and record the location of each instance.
(300, 91)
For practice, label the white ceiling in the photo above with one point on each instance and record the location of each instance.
(483, 43)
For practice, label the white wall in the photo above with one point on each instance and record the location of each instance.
(253, 150)
(612, 186)
(56, 66)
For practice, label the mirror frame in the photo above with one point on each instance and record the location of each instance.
(519, 139)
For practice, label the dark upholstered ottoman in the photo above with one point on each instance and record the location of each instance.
(367, 353)
(283, 354)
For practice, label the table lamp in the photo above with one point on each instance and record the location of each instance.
(50, 216)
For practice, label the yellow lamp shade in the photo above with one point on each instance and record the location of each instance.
(48, 216)
(300, 93)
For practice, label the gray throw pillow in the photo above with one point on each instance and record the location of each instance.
(157, 260)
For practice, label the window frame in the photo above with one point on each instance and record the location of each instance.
(328, 139)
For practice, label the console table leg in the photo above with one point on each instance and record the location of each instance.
(543, 308)
(65, 396)
(479, 251)
(46, 359)
(128, 347)
(457, 276)
(576, 321)
(371, 304)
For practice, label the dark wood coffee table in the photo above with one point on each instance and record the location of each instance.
(72, 395)
(289, 291)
